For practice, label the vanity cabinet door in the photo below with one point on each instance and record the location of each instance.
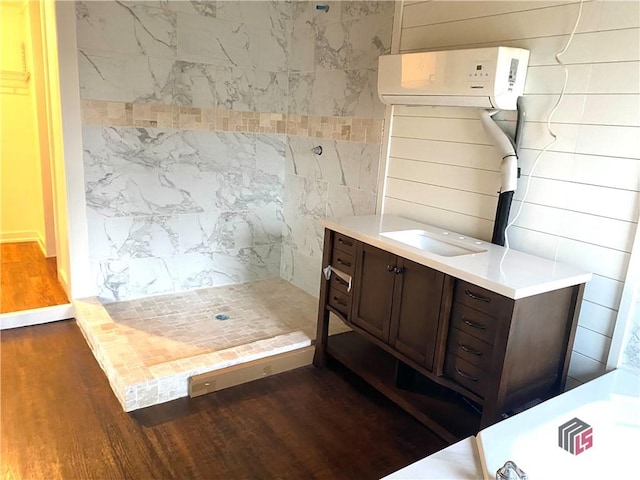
(416, 310)
(373, 290)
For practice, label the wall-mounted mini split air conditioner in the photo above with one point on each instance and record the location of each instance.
(490, 79)
(481, 77)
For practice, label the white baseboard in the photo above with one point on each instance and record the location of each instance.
(23, 237)
(64, 282)
(36, 316)
(41, 244)
(19, 237)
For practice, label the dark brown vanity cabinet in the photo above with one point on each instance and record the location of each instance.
(398, 301)
(373, 290)
(342, 257)
(455, 355)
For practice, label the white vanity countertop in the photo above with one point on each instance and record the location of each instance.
(505, 271)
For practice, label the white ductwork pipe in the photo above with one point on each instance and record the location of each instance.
(504, 145)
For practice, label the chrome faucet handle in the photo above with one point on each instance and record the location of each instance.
(510, 471)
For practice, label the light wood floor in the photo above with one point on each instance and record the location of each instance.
(59, 419)
(27, 279)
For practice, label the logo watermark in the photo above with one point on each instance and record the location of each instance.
(575, 436)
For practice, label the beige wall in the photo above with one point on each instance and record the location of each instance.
(583, 205)
(21, 201)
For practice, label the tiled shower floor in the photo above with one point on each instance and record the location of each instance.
(149, 347)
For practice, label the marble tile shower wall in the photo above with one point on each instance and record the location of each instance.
(198, 120)
(332, 71)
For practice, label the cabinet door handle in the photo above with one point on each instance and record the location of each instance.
(390, 268)
(339, 302)
(479, 326)
(475, 296)
(341, 262)
(398, 271)
(466, 375)
(469, 349)
(348, 244)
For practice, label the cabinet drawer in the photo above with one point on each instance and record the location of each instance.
(343, 261)
(465, 374)
(482, 299)
(470, 348)
(344, 243)
(474, 323)
(339, 285)
(340, 301)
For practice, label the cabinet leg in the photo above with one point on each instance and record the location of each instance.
(322, 333)
(405, 375)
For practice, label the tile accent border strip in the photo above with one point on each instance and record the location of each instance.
(123, 114)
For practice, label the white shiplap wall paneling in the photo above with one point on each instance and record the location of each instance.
(584, 368)
(611, 141)
(540, 218)
(451, 153)
(540, 22)
(435, 111)
(570, 110)
(470, 203)
(603, 231)
(554, 165)
(604, 291)
(439, 12)
(446, 219)
(613, 172)
(536, 136)
(603, 261)
(591, 344)
(548, 79)
(583, 205)
(462, 130)
(617, 110)
(440, 174)
(614, 77)
(603, 201)
(535, 242)
(597, 318)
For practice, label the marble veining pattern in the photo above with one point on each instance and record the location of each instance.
(149, 348)
(156, 197)
(199, 117)
(126, 28)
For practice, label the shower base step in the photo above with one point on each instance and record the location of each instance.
(216, 380)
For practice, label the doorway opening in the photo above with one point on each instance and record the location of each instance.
(34, 287)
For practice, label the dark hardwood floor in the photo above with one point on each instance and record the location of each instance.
(28, 279)
(59, 419)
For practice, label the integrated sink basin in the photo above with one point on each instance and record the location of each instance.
(428, 241)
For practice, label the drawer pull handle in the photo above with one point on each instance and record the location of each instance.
(479, 326)
(348, 244)
(464, 348)
(466, 375)
(390, 268)
(398, 271)
(341, 281)
(339, 302)
(475, 296)
(346, 264)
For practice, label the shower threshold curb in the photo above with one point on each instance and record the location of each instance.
(137, 385)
